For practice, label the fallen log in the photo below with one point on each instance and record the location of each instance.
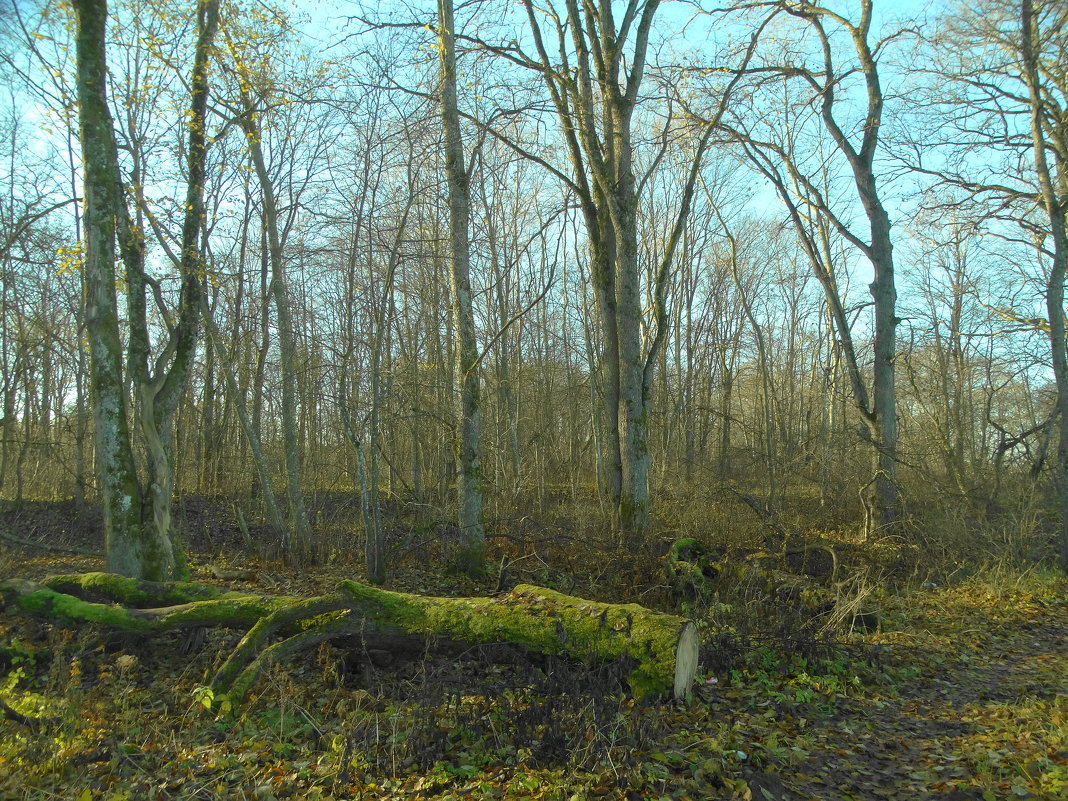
(118, 603)
(664, 647)
(661, 650)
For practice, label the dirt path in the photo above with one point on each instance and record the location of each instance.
(985, 717)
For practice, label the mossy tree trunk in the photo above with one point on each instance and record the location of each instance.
(660, 650)
(137, 520)
(116, 471)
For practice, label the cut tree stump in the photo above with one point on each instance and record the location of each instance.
(661, 650)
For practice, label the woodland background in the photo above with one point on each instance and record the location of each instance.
(756, 330)
(749, 314)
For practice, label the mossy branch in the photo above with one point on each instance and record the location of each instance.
(110, 588)
(229, 610)
(342, 626)
(307, 614)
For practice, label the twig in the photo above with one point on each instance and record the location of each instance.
(25, 720)
(47, 546)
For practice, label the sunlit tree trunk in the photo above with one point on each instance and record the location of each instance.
(472, 556)
(1053, 195)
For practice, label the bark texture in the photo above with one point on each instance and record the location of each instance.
(116, 471)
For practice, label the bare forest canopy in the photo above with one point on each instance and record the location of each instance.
(663, 266)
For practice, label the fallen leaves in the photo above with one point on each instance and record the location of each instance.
(971, 701)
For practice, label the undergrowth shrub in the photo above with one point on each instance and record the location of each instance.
(962, 536)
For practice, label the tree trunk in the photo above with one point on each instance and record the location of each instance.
(136, 515)
(472, 556)
(659, 650)
(117, 483)
(808, 207)
(1050, 180)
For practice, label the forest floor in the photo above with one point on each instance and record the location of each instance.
(961, 693)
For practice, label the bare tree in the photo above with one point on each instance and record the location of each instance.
(1003, 134)
(276, 113)
(593, 65)
(803, 188)
(1043, 39)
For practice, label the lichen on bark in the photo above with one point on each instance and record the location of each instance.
(134, 392)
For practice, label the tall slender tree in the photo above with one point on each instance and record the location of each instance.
(803, 188)
(472, 557)
(593, 65)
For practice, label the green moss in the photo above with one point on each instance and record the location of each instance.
(236, 687)
(229, 609)
(131, 591)
(120, 589)
(324, 619)
(69, 609)
(538, 619)
(315, 618)
(233, 611)
(685, 544)
(157, 555)
(541, 620)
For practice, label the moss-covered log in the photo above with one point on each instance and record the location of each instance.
(110, 588)
(662, 648)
